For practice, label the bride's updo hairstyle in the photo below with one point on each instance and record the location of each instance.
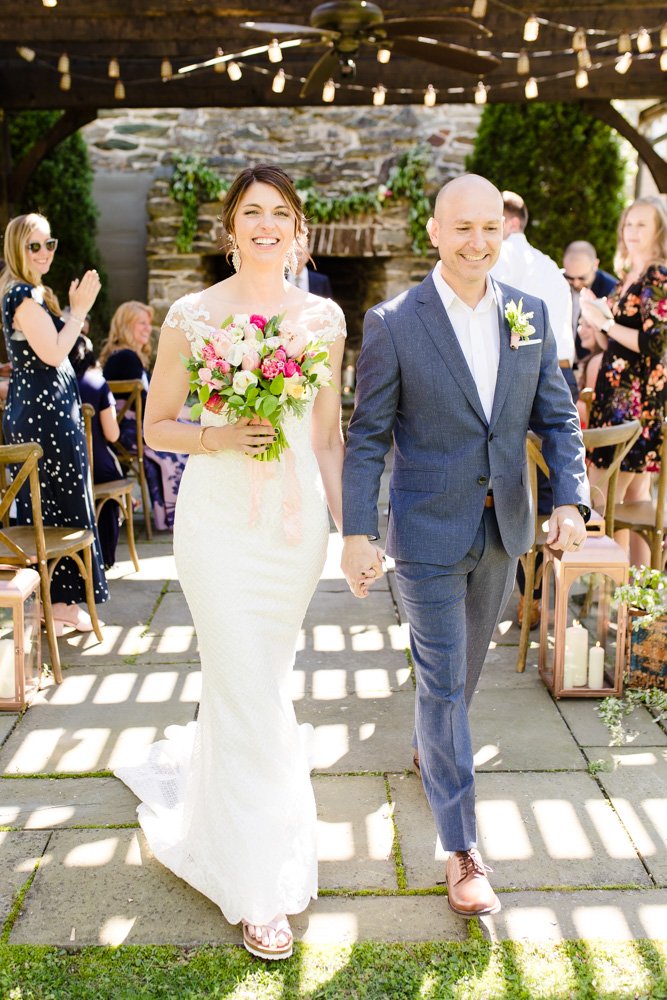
(264, 173)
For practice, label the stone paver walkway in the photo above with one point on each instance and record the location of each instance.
(578, 850)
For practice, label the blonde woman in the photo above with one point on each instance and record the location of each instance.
(43, 402)
(126, 354)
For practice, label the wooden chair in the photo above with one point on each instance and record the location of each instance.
(132, 462)
(118, 490)
(647, 517)
(586, 397)
(621, 437)
(40, 546)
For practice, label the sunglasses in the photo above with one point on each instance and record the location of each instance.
(577, 277)
(51, 244)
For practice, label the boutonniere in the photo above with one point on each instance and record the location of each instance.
(520, 327)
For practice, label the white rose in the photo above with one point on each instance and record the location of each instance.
(322, 370)
(236, 352)
(242, 381)
(294, 389)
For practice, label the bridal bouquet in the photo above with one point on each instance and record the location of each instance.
(257, 367)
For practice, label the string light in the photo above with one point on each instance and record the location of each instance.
(114, 69)
(278, 82)
(531, 29)
(234, 71)
(644, 43)
(623, 64)
(220, 67)
(584, 60)
(579, 40)
(119, 91)
(379, 94)
(328, 91)
(531, 89)
(480, 93)
(384, 55)
(49, 3)
(624, 43)
(63, 63)
(478, 9)
(274, 52)
(663, 60)
(166, 70)
(430, 95)
(65, 81)
(523, 63)
(581, 79)
(663, 36)
(26, 53)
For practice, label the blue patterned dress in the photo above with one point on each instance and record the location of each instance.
(43, 405)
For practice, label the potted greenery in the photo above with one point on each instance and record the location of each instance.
(646, 598)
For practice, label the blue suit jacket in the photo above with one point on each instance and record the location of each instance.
(413, 383)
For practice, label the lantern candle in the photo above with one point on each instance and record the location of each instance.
(575, 669)
(7, 676)
(596, 666)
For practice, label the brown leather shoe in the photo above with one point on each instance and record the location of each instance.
(534, 611)
(469, 891)
(416, 767)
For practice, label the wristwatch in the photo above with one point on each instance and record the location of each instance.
(607, 325)
(584, 511)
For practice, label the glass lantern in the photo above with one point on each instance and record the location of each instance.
(582, 636)
(19, 637)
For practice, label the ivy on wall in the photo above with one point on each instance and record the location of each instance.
(193, 182)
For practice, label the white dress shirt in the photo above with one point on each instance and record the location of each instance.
(478, 334)
(532, 271)
(300, 280)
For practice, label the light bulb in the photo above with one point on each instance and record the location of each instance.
(63, 63)
(220, 67)
(584, 60)
(644, 43)
(478, 9)
(25, 52)
(531, 89)
(166, 70)
(430, 95)
(114, 69)
(624, 43)
(523, 63)
(328, 91)
(581, 79)
(379, 94)
(65, 81)
(663, 60)
(623, 63)
(384, 55)
(274, 52)
(119, 91)
(531, 29)
(579, 40)
(234, 71)
(663, 36)
(480, 93)
(49, 3)
(278, 82)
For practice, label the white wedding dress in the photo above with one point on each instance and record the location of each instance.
(227, 801)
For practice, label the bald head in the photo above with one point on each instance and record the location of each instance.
(466, 187)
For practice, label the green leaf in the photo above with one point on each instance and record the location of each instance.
(205, 393)
(196, 411)
(277, 385)
(268, 405)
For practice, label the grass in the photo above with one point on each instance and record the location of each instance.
(469, 970)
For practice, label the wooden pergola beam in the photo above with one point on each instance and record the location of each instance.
(69, 122)
(607, 113)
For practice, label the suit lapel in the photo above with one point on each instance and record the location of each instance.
(433, 315)
(507, 361)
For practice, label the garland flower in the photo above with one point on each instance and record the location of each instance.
(255, 367)
(521, 329)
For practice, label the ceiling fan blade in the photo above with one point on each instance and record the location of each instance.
(443, 54)
(414, 26)
(280, 28)
(320, 73)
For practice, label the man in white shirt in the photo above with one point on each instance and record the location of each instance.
(523, 266)
(309, 280)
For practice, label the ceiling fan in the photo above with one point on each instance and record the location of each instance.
(344, 26)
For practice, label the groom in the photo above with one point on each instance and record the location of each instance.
(437, 373)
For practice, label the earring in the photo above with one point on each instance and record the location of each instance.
(291, 259)
(236, 256)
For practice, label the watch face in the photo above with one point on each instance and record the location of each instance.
(584, 511)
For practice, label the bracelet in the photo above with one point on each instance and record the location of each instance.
(78, 319)
(202, 445)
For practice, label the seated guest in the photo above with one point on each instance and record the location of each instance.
(589, 366)
(126, 354)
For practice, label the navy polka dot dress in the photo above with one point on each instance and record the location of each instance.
(43, 405)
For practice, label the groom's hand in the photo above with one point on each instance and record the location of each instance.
(361, 563)
(567, 530)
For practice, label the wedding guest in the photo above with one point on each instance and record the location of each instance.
(227, 804)
(581, 269)
(126, 354)
(43, 401)
(589, 366)
(308, 279)
(632, 380)
(437, 374)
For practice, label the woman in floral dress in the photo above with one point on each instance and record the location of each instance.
(632, 381)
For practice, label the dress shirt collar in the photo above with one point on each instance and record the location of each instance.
(450, 298)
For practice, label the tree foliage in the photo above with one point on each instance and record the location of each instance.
(61, 189)
(566, 164)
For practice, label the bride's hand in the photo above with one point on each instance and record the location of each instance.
(251, 437)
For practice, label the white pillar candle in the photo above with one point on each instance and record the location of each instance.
(596, 666)
(7, 677)
(575, 673)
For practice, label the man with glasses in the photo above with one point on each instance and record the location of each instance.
(581, 269)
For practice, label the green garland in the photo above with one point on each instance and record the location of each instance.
(193, 182)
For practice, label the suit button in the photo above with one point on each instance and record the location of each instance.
(490, 437)
(482, 480)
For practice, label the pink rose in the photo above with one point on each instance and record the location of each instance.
(205, 374)
(224, 366)
(222, 344)
(208, 352)
(251, 360)
(291, 368)
(250, 331)
(258, 321)
(294, 340)
(211, 363)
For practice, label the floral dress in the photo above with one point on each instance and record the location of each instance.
(632, 385)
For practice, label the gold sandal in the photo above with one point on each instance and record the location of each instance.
(270, 952)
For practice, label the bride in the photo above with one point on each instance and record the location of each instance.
(227, 801)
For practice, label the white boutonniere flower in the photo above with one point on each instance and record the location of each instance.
(520, 327)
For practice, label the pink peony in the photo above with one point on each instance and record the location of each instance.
(251, 360)
(208, 352)
(258, 321)
(224, 366)
(274, 365)
(291, 368)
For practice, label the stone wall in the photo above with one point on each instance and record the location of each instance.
(339, 148)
